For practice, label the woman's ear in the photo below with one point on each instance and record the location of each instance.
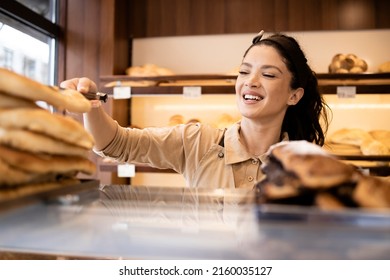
(295, 96)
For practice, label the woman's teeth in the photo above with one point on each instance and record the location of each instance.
(252, 97)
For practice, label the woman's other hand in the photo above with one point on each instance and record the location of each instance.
(83, 85)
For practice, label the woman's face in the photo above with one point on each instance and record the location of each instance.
(263, 85)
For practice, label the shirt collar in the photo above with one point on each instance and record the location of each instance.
(235, 151)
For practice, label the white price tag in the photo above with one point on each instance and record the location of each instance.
(192, 92)
(126, 170)
(122, 92)
(346, 92)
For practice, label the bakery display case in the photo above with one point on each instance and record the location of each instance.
(357, 101)
(130, 222)
(89, 219)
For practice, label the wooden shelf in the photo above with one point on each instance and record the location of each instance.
(365, 83)
(168, 78)
(352, 76)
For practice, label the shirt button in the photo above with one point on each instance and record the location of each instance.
(254, 161)
(220, 155)
(250, 178)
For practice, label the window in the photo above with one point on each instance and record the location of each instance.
(28, 38)
(6, 57)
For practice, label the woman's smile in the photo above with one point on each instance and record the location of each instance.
(251, 97)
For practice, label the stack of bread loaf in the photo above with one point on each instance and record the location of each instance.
(373, 142)
(347, 63)
(148, 70)
(384, 67)
(40, 150)
(144, 75)
(302, 173)
(223, 121)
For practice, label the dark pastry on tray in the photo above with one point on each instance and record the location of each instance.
(302, 173)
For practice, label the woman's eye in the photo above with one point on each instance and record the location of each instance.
(268, 75)
(242, 72)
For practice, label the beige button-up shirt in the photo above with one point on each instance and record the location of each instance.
(207, 157)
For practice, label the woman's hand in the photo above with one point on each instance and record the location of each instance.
(83, 85)
(97, 122)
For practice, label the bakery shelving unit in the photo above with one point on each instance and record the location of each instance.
(211, 84)
(373, 86)
(365, 83)
(214, 84)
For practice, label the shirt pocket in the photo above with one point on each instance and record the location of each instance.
(212, 172)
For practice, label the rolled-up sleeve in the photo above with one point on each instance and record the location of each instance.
(157, 147)
(178, 147)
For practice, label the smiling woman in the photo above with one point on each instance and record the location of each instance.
(276, 86)
(274, 77)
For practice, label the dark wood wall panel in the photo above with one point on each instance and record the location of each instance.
(153, 18)
(202, 12)
(253, 16)
(329, 15)
(383, 18)
(280, 21)
(356, 14)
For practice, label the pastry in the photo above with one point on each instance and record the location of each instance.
(382, 136)
(350, 136)
(175, 120)
(372, 192)
(384, 67)
(301, 173)
(314, 167)
(347, 63)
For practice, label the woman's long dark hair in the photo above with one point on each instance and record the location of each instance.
(303, 120)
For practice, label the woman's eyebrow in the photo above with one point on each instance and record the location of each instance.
(246, 64)
(272, 67)
(264, 67)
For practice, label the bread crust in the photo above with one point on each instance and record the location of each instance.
(12, 176)
(39, 143)
(23, 87)
(375, 142)
(8, 101)
(350, 136)
(382, 136)
(374, 147)
(315, 168)
(44, 163)
(301, 173)
(372, 192)
(57, 126)
(327, 201)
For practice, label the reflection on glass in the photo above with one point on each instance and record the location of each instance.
(128, 222)
(186, 208)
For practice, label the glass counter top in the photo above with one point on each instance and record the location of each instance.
(136, 222)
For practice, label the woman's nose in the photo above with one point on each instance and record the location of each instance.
(252, 81)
